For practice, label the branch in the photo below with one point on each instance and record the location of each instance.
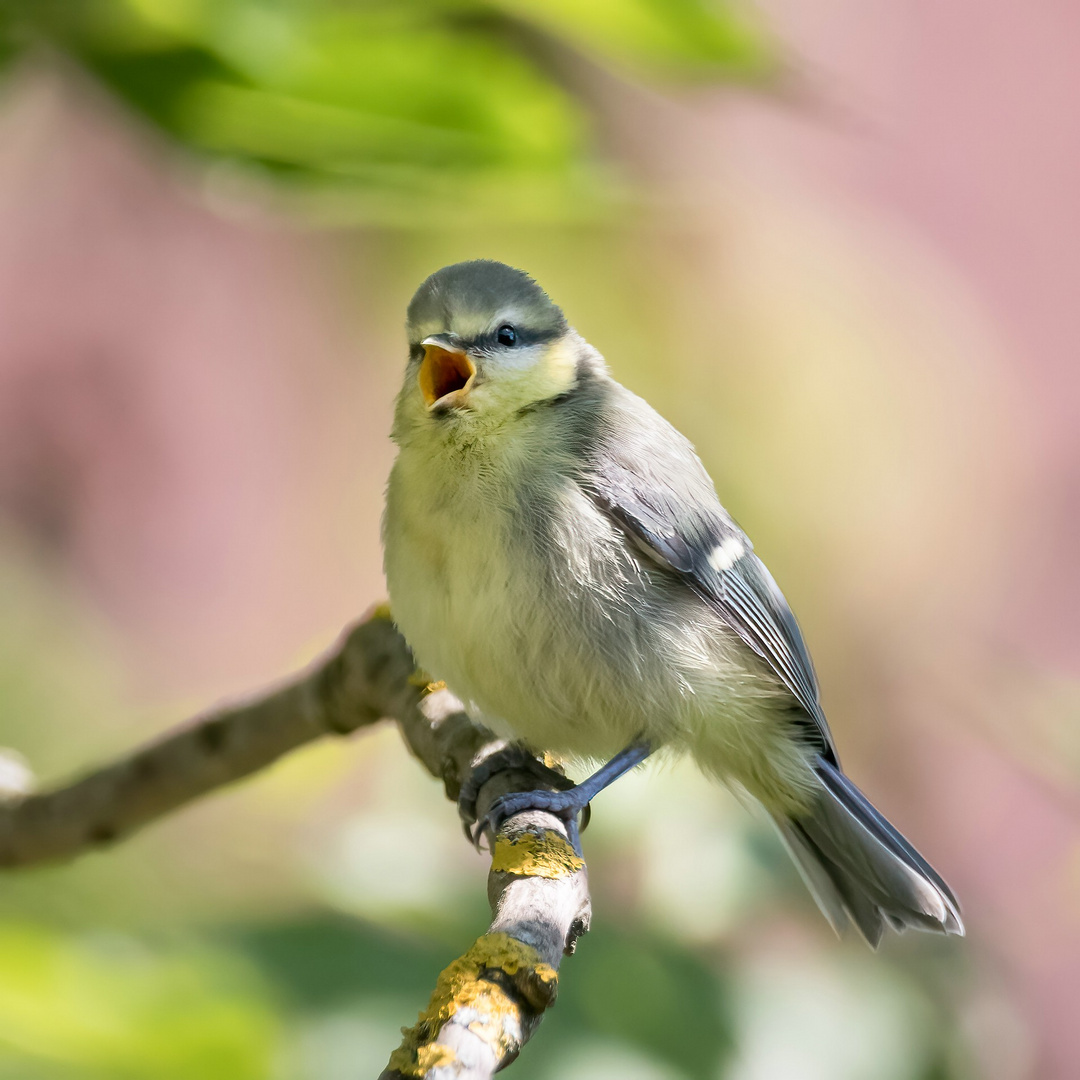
(366, 677)
(487, 1003)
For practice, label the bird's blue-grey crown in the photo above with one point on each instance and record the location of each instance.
(483, 289)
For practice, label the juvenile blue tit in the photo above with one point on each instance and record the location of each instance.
(557, 554)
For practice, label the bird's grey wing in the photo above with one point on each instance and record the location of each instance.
(662, 499)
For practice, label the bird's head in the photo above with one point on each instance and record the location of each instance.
(485, 341)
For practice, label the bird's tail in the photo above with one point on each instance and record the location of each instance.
(859, 868)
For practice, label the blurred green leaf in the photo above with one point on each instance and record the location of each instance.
(109, 1008)
(398, 100)
(320, 961)
(675, 38)
(644, 991)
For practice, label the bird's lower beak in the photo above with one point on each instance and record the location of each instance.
(446, 374)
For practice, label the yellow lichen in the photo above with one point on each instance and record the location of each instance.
(498, 1014)
(432, 1056)
(553, 761)
(547, 855)
(422, 679)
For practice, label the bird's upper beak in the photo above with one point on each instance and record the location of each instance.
(446, 373)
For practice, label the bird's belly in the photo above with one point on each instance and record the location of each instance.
(576, 659)
(472, 621)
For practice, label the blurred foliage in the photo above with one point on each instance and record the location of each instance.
(110, 1007)
(401, 104)
(320, 996)
(682, 1019)
(107, 1005)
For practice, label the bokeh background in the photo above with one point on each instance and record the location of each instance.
(836, 244)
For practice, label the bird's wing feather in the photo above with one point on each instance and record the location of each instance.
(663, 500)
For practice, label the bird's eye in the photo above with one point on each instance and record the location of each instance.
(506, 335)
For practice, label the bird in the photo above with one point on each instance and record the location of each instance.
(556, 553)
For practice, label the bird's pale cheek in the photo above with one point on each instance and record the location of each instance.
(552, 372)
(558, 368)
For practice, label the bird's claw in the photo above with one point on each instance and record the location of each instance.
(510, 757)
(566, 805)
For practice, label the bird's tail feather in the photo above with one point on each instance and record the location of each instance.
(859, 868)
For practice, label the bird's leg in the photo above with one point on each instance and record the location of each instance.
(564, 804)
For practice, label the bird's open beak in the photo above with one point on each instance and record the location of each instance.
(446, 374)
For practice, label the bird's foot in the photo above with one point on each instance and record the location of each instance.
(565, 802)
(512, 757)
(566, 805)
